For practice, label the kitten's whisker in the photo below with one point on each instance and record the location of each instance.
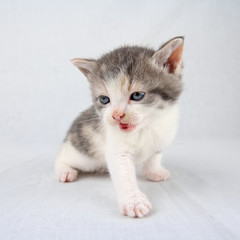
(91, 119)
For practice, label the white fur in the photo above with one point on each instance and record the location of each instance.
(121, 150)
(153, 170)
(69, 158)
(132, 131)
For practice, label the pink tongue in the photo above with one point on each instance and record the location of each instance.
(124, 125)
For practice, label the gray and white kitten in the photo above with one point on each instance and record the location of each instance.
(133, 119)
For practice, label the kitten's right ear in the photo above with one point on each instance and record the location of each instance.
(86, 66)
(169, 56)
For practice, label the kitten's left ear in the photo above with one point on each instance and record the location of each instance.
(169, 56)
(86, 66)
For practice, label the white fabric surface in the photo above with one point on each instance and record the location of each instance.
(41, 93)
(201, 200)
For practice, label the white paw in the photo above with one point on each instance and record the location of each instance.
(136, 205)
(156, 175)
(67, 174)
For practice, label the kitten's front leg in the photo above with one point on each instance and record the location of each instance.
(132, 201)
(153, 170)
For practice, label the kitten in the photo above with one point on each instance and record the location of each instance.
(133, 119)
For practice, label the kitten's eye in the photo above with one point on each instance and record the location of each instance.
(104, 99)
(137, 96)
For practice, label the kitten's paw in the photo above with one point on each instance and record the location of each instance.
(156, 175)
(67, 174)
(136, 205)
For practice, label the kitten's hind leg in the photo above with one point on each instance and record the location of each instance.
(153, 170)
(65, 160)
(66, 173)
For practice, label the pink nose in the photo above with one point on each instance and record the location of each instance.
(118, 116)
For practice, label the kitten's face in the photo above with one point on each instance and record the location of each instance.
(129, 105)
(131, 84)
(122, 103)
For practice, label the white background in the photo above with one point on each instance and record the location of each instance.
(41, 93)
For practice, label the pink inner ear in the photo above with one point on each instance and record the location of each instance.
(174, 59)
(84, 71)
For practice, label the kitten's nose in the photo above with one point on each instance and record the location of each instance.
(118, 116)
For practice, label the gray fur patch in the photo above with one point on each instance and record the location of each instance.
(135, 62)
(161, 93)
(80, 138)
(124, 59)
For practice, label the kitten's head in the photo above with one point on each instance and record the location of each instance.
(130, 84)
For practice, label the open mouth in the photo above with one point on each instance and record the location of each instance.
(126, 126)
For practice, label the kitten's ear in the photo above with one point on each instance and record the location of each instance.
(86, 66)
(169, 56)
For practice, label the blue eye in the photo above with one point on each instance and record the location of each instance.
(104, 99)
(137, 96)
